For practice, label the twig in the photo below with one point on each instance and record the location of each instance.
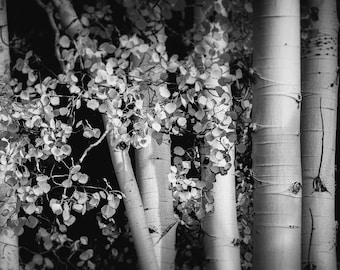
(94, 145)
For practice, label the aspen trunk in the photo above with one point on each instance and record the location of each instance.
(318, 136)
(9, 250)
(276, 137)
(220, 225)
(134, 209)
(153, 161)
(122, 166)
(152, 169)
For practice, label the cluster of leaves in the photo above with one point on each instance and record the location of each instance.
(126, 80)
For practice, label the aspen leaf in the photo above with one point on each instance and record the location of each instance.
(84, 240)
(181, 121)
(202, 100)
(66, 149)
(64, 42)
(170, 108)
(156, 126)
(198, 127)
(164, 92)
(48, 263)
(56, 208)
(216, 72)
(238, 74)
(92, 104)
(74, 89)
(179, 151)
(155, 57)
(86, 255)
(63, 111)
(143, 48)
(56, 151)
(83, 178)
(55, 101)
(42, 178)
(29, 208)
(241, 148)
(67, 183)
(38, 259)
(108, 211)
(232, 137)
(200, 114)
(70, 220)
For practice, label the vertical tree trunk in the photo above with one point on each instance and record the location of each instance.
(134, 208)
(153, 161)
(152, 169)
(9, 250)
(122, 166)
(276, 137)
(220, 225)
(318, 135)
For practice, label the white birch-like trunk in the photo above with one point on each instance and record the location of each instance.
(9, 249)
(122, 166)
(153, 164)
(276, 137)
(152, 170)
(220, 226)
(134, 208)
(318, 136)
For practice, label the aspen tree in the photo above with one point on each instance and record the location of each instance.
(9, 250)
(276, 136)
(121, 163)
(318, 134)
(220, 225)
(153, 161)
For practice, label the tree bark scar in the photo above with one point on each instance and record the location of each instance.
(309, 265)
(318, 185)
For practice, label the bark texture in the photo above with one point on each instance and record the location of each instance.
(134, 209)
(152, 169)
(276, 137)
(318, 135)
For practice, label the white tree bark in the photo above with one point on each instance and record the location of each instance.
(276, 137)
(152, 169)
(318, 135)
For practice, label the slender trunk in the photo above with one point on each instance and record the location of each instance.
(276, 137)
(220, 225)
(122, 167)
(152, 169)
(154, 160)
(9, 250)
(134, 208)
(318, 136)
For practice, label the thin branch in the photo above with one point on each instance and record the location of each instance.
(94, 145)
